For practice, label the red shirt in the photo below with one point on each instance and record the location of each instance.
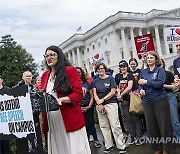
(38, 86)
(71, 112)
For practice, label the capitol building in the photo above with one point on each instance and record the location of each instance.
(114, 38)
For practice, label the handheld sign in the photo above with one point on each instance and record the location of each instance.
(144, 44)
(99, 57)
(16, 118)
(171, 34)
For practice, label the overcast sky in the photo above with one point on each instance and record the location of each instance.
(37, 24)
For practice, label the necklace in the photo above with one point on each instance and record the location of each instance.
(52, 77)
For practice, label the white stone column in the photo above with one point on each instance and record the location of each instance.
(73, 57)
(69, 55)
(158, 41)
(148, 31)
(86, 58)
(125, 51)
(115, 33)
(133, 43)
(78, 57)
(165, 43)
(87, 63)
(140, 31)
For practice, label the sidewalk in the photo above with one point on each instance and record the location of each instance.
(132, 149)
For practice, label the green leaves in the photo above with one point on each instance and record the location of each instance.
(14, 60)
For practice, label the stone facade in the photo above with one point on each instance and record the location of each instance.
(115, 38)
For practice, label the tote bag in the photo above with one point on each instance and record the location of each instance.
(136, 103)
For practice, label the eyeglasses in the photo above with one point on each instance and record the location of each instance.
(51, 55)
(100, 68)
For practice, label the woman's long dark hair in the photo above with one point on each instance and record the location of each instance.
(133, 59)
(62, 83)
(83, 76)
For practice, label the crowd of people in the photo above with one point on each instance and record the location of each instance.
(68, 130)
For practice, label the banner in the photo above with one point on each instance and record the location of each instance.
(144, 44)
(16, 118)
(99, 57)
(171, 34)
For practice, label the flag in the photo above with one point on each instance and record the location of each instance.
(79, 29)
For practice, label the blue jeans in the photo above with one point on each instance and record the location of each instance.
(174, 114)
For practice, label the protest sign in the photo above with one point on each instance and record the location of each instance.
(171, 34)
(16, 118)
(99, 57)
(144, 44)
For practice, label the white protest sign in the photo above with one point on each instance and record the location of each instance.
(99, 57)
(16, 116)
(171, 34)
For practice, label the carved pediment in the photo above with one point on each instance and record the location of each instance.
(172, 13)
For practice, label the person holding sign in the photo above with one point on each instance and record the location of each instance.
(26, 80)
(66, 126)
(31, 145)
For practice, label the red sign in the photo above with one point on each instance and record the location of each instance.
(144, 44)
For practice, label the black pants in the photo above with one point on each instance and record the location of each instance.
(87, 117)
(4, 147)
(157, 115)
(132, 120)
(31, 146)
(144, 129)
(120, 119)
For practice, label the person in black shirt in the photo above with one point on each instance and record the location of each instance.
(136, 74)
(4, 145)
(170, 86)
(125, 85)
